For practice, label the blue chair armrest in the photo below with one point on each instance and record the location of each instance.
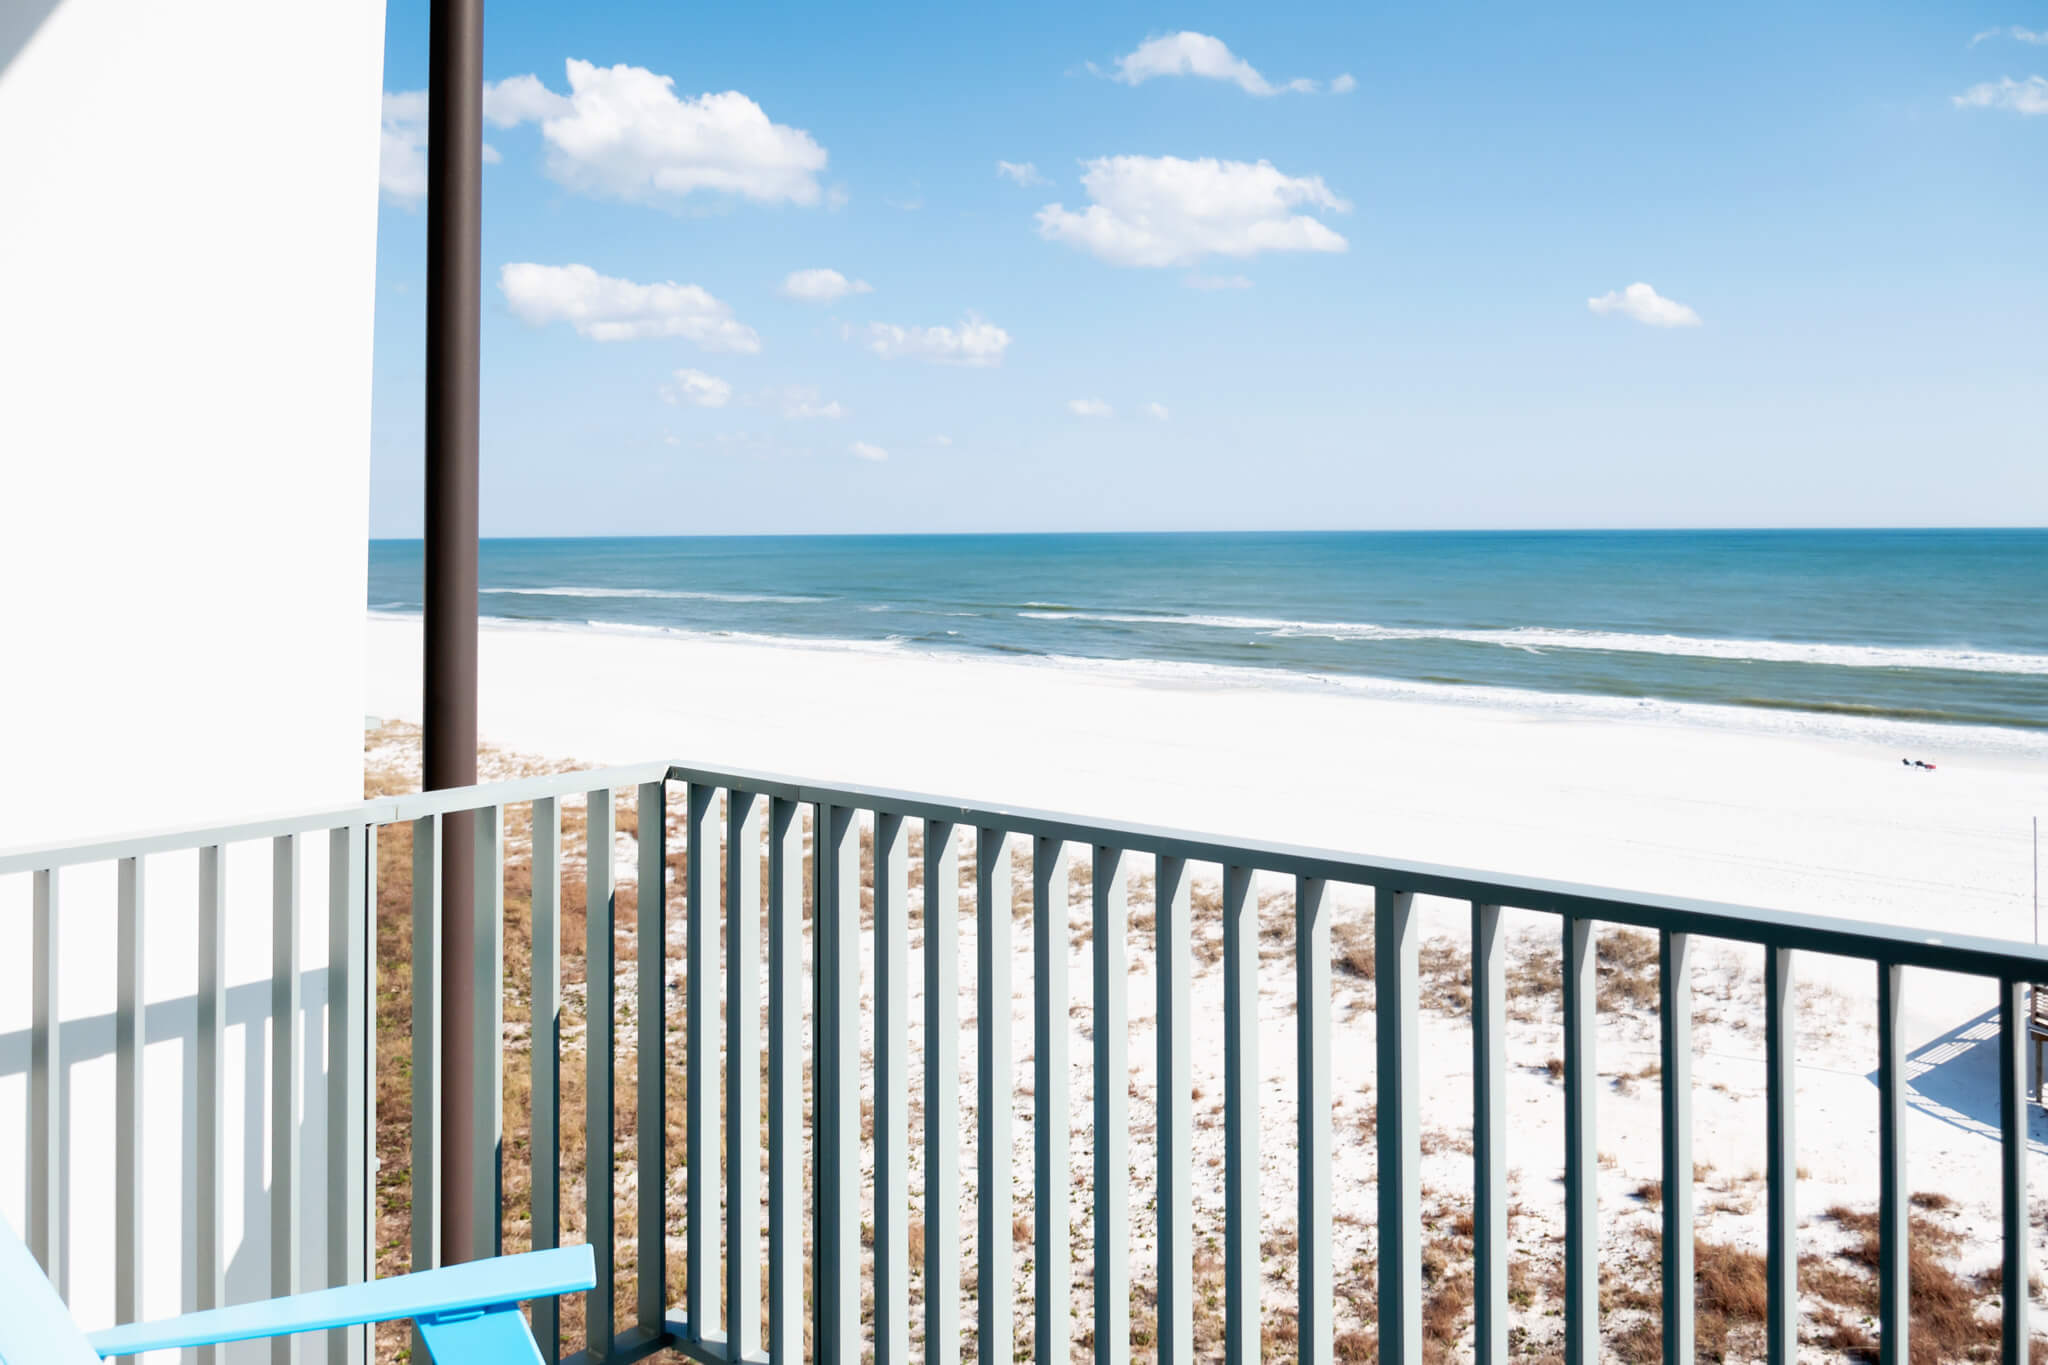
(470, 1287)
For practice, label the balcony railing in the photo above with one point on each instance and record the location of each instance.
(778, 821)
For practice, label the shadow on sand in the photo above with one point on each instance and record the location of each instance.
(1954, 1078)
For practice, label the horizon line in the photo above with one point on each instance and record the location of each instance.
(1233, 531)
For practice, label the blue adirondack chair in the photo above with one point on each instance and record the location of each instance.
(467, 1314)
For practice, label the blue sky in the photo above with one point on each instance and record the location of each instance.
(1838, 212)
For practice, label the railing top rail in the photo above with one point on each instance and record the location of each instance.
(382, 810)
(1906, 946)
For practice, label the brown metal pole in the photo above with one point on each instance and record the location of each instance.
(454, 296)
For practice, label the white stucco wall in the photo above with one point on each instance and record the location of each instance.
(187, 260)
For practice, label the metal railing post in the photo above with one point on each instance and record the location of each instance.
(1581, 1149)
(1175, 1100)
(700, 1067)
(995, 1250)
(1111, 1029)
(46, 1156)
(546, 1117)
(743, 1072)
(1490, 1138)
(1052, 1232)
(348, 1094)
(1674, 1007)
(892, 1090)
(1396, 976)
(1241, 1259)
(286, 1033)
(942, 840)
(1893, 1208)
(1315, 1281)
(650, 1146)
(600, 1059)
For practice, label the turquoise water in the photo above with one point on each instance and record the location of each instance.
(1943, 626)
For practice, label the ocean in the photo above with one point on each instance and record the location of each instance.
(1943, 626)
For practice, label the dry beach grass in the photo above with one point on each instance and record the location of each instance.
(1952, 1305)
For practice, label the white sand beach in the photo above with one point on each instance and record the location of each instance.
(1776, 811)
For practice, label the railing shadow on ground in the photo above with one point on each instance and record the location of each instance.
(1954, 1078)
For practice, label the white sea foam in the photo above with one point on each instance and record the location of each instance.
(1180, 673)
(1537, 638)
(672, 593)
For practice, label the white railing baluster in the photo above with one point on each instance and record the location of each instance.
(1111, 1026)
(546, 865)
(487, 988)
(130, 1001)
(2013, 1110)
(994, 1251)
(368, 1122)
(650, 1148)
(1489, 1137)
(700, 1064)
(287, 1032)
(349, 1139)
(786, 1202)
(1172, 944)
(1581, 1153)
(1396, 986)
(892, 1090)
(743, 1072)
(46, 1157)
(209, 1117)
(600, 1056)
(1314, 1283)
(1781, 1164)
(425, 1158)
(1241, 1259)
(941, 1092)
(1893, 1208)
(1052, 1239)
(1674, 992)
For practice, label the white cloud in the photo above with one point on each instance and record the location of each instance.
(867, 450)
(1090, 407)
(1023, 172)
(1164, 211)
(942, 440)
(1197, 280)
(1198, 54)
(698, 390)
(1645, 305)
(2029, 96)
(607, 309)
(1157, 411)
(821, 286)
(1344, 84)
(622, 133)
(799, 403)
(523, 99)
(974, 342)
(2018, 34)
(402, 147)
